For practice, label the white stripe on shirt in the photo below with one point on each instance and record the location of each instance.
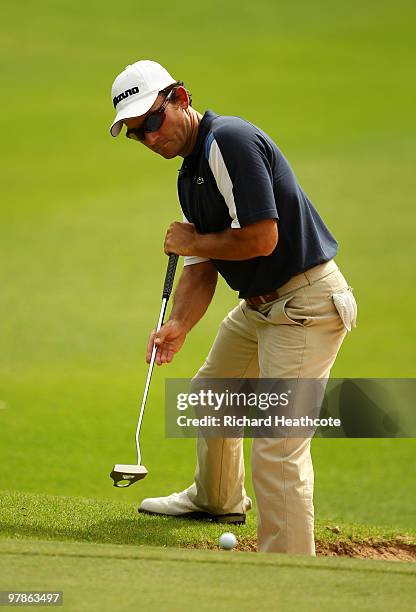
(223, 180)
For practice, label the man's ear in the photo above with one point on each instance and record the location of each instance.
(182, 97)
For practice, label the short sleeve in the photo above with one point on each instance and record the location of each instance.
(241, 162)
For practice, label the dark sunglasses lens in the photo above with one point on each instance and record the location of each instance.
(153, 122)
(137, 134)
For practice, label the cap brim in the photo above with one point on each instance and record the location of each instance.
(136, 108)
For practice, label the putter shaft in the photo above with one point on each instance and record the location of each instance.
(148, 379)
(125, 475)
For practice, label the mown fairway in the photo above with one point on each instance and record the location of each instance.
(82, 222)
(97, 577)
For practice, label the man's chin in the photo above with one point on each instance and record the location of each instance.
(167, 154)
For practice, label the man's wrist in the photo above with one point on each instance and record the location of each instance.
(193, 247)
(201, 244)
(179, 323)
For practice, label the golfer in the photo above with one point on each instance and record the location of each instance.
(245, 217)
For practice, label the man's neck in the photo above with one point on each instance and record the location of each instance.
(195, 120)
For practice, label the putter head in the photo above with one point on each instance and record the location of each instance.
(126, 475)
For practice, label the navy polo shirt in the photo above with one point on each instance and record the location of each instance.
(235, 176)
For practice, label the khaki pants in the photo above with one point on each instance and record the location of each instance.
(296, 336)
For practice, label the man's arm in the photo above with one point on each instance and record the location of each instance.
(193, 295)
(255, 240)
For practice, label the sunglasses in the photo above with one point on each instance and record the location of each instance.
(152, 123)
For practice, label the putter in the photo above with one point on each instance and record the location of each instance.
(124, 475)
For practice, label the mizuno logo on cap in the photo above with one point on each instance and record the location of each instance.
(124, 95)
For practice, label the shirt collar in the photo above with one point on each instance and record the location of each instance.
(203, 130)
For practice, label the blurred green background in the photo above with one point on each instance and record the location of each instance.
(83, 218)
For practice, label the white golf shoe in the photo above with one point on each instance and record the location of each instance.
(179, 505)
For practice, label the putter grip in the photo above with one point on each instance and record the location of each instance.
(170, 275)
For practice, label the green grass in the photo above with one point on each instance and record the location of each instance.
(104, 521)
(109, 577)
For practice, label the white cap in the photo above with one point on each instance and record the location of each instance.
(135, 90)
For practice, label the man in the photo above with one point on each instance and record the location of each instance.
(246, 217)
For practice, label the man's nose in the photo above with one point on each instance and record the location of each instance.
(151, 138)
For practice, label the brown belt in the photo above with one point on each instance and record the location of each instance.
(258, 300)
(296, 282)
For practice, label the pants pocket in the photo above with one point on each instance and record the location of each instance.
(344, 302)
(288, 311)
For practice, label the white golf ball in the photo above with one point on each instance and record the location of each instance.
(228, 541)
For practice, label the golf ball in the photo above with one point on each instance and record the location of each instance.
(228, 540)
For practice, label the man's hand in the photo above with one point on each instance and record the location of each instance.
(168, 340)
(258, 239)
(180, 238)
